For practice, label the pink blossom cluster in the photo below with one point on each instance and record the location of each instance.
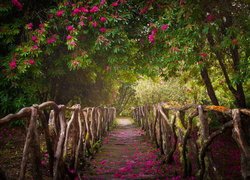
(17, 4)
(30, 62)
(152, 35)
(52, 39)
(13, 64)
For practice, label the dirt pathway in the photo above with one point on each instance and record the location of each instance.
(126, 154)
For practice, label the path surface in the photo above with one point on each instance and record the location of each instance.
(126, 154)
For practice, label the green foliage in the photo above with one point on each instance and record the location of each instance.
(149, 91)
(17, 123)
(83, 63)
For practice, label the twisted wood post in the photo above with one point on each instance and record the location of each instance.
(242, 139)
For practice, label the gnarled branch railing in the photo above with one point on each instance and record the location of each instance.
(169, 128)
(66, 140)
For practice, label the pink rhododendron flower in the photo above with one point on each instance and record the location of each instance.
(94, 24)
(164, 27)
(154, 31)
(13, 64)
(235, 41)
(114, 4)
(102, 2)
(75, 63)
(151, 36)
(76, 11)
(182, 2)
(203, 55)
(83, 9)
(18, 5)
(103, 29)
(144, 10)
(52, 39)
(210, 18)
(90, 18)
(41, 26)
(50, 16)
(66, 3)
(69, 37)
(41, 31)
(59, 13)
(70, 28)
(72, 43)
(34, 39)
(94, 9)
(35, 47)
(175, 49)
(81, 23)
(103, 19)
(29, 26)
(31, 61)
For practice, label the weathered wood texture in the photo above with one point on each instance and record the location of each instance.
(170, 127)
(67, 130)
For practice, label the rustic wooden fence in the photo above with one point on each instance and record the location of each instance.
(69, 132)
(170, 128)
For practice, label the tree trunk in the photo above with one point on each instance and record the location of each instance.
(210, 90)
(238, 93)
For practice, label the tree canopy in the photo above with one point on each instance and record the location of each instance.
(86, 50)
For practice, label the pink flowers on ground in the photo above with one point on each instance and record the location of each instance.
(29, 26)
(164, 27)
(103, 19)
(13, 64)
(60, 13)
(94, 9)
(17, 4)
(149, 164)
(117, 175)
(103, 162)
(43, 162)
(70, 28)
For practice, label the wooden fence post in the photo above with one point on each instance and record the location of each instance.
(58, 169)
(242, 139)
